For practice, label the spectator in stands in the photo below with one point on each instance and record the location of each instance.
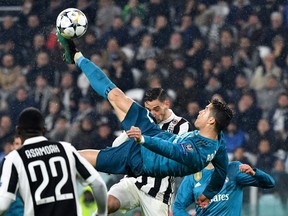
(106, 12)
(205, 72)
(246, 57)
(121, 74)
(117, 31)
(90, 43)
(178, 71)
(267, 97)
(264, 131)
(8, 31)
(86, 135)
(227, 41)
(42, 93)
(143, 51)
(161, 32)
(112, 49)
(265, 157)
(105, 136)
(196, 54)
(107, 115)
(277, 27)
(263, 71)
(278, 117)
(85, 108)
(156, 8)
(21, 101)
(241, 87)
(136, 30)
(252, 29)
(173, 49)
(32, 27)
(234, 136)
(6, 129)
(227, 72)
(151, 69)
(42, 66)
(247, 114)
(279, 50)
(132, 9)
(189, 31)
(70, 94)
(239, 12)
(213, 86)
(9, 71)
(187, 91)
(55, 108)
(61, 130)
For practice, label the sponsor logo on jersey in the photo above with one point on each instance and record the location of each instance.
(220, 197)
(198, 176)
(211, 156)
(226, 180)
(45, 150)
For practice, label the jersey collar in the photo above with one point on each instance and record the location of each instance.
(34, 140)
(171, 117)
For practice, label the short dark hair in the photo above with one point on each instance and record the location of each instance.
(31, 121)
(155, 94)
(222, 114)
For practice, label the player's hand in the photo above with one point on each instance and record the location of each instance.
(245, 168)
(202, 201)
(135, 133)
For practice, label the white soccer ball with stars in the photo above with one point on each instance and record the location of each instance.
(71, 23)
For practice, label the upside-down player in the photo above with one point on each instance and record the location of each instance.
(161, 153)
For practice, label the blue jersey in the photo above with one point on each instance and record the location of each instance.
(228, 201)
(163, 153)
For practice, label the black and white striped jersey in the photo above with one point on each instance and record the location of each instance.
(45, 173)
(162, 188)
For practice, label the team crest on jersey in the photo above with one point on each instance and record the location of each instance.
(198, 176)
(189, 147)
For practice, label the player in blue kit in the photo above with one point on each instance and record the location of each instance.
(161, 153)
(229, 200)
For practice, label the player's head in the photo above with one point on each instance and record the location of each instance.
(156, 100)
(30, 123)
(216, 115)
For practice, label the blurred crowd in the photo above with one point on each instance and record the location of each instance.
(233, 50)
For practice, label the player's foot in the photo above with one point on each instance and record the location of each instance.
(69, 48)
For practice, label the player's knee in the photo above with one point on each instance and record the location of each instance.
(113, 204)
(115, 94)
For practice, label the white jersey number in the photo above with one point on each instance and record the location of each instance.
(58, 195)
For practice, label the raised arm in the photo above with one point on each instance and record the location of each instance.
(247, 176)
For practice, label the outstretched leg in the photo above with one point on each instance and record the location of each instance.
(97, 78)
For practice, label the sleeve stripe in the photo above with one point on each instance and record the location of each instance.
(1, 166)
(13, 180)
(85, 174)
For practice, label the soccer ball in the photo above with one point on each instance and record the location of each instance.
(71, 23)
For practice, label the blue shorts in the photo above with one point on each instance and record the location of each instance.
(126, 158)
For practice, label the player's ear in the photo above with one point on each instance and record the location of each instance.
(167, 103)
(212, 120)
